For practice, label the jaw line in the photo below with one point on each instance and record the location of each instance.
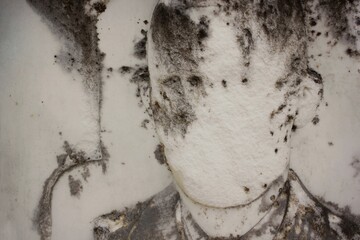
(270, 187)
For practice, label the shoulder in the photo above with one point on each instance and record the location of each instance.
(307, 218)
(151, 219)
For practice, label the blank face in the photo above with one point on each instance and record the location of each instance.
(224, 98)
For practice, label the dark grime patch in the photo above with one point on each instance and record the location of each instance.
(338, 15)
(176, 37)
(100, 7)
(160, 154)
(140, 46)
(195, 81)
(315, 120)
(125, 69)
(281, 19)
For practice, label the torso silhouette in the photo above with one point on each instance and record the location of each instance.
(295, 214)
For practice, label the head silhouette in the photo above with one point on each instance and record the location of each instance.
(230, 83)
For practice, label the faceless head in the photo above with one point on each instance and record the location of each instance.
(229, 83)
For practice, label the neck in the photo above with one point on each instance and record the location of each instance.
(234, 221)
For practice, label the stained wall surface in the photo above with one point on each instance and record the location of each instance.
(42, 106)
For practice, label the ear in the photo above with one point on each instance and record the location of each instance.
(309, 96)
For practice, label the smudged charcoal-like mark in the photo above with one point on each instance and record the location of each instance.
(337, 15)
(43, 219)
(160, 154)
(178, 114)
(176, 37)
(75, 186)
(281, 19)
(140, 46)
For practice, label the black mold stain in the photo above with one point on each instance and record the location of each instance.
(160, 154)
(281, 19)
(224, 83)
(75, 186)
(352, 52)
(125, 69)
(43, 219)
(178, 115)
(195, 81)
(99, 7)
(337, 13)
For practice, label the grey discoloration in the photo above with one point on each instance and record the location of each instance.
(152, 219)
(160, 154)
(61, 159)
(85, 173)
(75, 186)
(43, 219)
